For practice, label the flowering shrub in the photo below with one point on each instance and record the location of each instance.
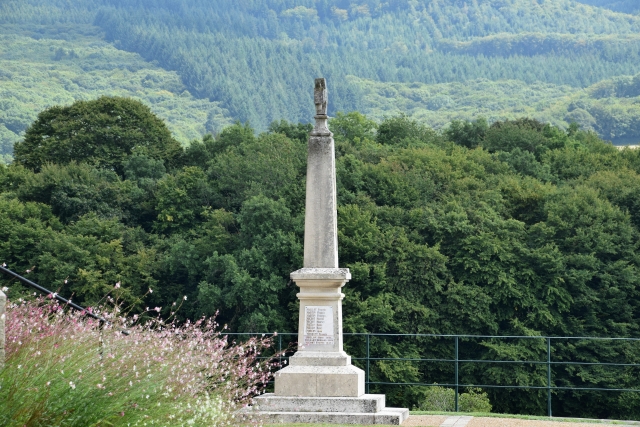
(64, 369)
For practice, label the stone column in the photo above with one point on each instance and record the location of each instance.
(3, 315)
(320, 367)
(321, 218)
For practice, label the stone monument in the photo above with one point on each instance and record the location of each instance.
(320, 384)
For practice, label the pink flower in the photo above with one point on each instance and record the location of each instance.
(117, 285)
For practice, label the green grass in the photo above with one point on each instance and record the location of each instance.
(521, 417)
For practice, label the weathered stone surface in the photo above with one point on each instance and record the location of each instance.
(320, 289)
(368, 403)
(3, 315)
(320, 381)
(338, 274)
(316, 358)
(321, 222)
(390, 416)
(321, 97)
(368, 409)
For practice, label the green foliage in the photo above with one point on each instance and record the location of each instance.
(474, 400)
(299, 132)
(439, 399)
(353, 126)
(104, 133)
(629, 6)
(609, 107)
(31, 81)
(435, 61)
(442, 399)
(404, 131)
(467, 134)
(384, 42)
(533, 231)
(449, 223)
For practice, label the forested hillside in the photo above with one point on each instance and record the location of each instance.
(517, 228)
(552, 42)
(253, 60)
(46, 65)
(628, 6)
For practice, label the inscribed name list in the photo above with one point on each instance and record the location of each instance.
(318, 325)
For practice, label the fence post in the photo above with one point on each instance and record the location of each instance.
(367, 379)
(456, 401)
(3, 315)
(549, 376)
(280, 350)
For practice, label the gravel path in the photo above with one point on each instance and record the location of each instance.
(440, 420)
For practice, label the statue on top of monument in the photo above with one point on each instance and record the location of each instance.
(320, 97)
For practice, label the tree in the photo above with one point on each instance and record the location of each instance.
(103, 132)
(467, 134)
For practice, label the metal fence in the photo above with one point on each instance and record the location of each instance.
(457, 359)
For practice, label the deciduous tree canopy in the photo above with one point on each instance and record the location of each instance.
(518, 228)
(103, 133)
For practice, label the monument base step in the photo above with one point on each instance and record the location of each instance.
(367, 409)
(390, 416)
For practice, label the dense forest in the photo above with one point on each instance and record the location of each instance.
(514, 228)
(552, 42)
(211, 63)
(628, 6)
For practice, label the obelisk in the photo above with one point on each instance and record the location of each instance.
(320, 367)
(320, 384)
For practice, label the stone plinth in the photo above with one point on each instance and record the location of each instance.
(320, 385)
(320, 367)
(366, 409)
(3, 315)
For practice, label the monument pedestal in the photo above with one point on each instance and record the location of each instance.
(320, 368)
(320, 385)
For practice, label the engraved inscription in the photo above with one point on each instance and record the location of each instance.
(318, 325)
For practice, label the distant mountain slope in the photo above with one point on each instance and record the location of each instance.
(36, 74)
(610, 107)
(626, 6)
(256, 58)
